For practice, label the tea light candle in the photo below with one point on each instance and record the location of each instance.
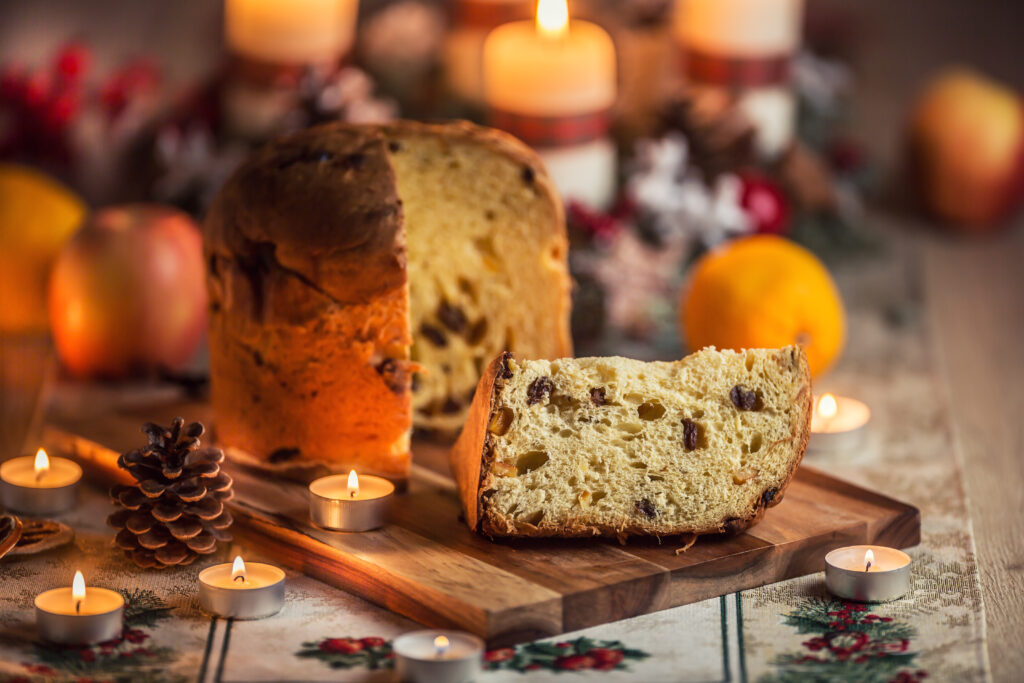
(551, 83)
(839, 423)
(39, 485)
(242, 591)
(350, 503)
(79, 615)
(867, 573)
(741, 50)
(438, 657)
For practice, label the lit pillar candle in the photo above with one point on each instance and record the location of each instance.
(242, 591)
(293, 32)
(39, 485)
(274, 46)
(867, 573)
(551, 82)
(79, 615)
(472, 20)
(350, 502)
(839, 424)
(743, 50)
(438, 657)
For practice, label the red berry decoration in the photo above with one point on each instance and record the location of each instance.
(72, 62)
(765, 203)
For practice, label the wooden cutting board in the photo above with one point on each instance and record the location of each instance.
(429, 567)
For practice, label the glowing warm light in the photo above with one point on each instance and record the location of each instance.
(827, 406)
(77, 588)
(869, 559)
(552, 18)
(353, 484)
(238, 569)
(441, 644)
(42, 465)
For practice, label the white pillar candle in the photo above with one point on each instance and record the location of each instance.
(242, 591)
(79, 615)
(276, 46)
(350, 502)
(839, 423)
(744, 49)
(39, 484)
(438, 657)
(867, 573)
(292, 32)
(551, 82)
(463, 48)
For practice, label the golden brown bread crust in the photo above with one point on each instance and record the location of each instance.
(309, 306)
(309, 298)
(472, 456)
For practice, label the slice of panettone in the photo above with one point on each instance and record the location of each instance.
(618, 447)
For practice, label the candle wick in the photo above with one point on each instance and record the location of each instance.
(240, 577)
(78, 606)
(39, 475)
(351, 494)
(868, 567)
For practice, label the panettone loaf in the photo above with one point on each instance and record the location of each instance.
(614, 447)
(313, 246)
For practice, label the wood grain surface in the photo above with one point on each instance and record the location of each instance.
(975, 296)
(427, 565)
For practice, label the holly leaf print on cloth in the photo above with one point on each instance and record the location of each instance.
(848, 642)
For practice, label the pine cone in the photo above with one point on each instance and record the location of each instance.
(176, 511)
(720, 138)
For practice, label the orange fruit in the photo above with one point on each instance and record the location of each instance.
(764, 292)
(37, 216)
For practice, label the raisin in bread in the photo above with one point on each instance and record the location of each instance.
(612, 446)
(344, 258)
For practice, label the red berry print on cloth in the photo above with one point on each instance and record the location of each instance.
(847, 642)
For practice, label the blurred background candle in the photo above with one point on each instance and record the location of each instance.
(551, 82)
(471, 21)
(274, 48)
(39, 484)
(839, 424)
(79, 615)
(292, 32)
(739, 53)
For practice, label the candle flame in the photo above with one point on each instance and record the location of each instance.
(441, 644)
(42, 465)
(353, 484)
(78, 590)
(827, 406)
(552, 18)
(238, 569)
(869, 559)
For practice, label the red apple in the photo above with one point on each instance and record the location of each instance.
(127, 293)
(967, 147)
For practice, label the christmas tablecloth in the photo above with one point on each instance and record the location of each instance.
(787, 631)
